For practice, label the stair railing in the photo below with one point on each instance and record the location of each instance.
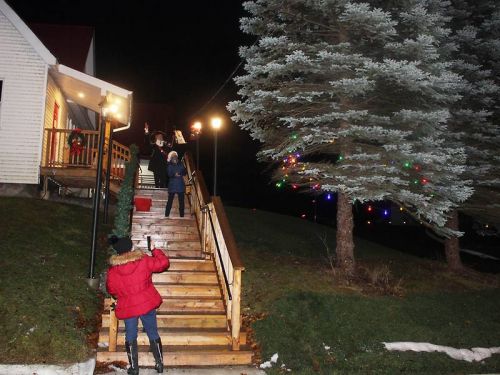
(218, 242)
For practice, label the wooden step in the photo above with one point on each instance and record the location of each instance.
(191, 265)
(160, 210)
(161, 213)
(183, 245)
(164, 222)
(177, 254)
(165, 236)
(148, 193)
(186, 277)
(207, 320)
(148, 228)
(188, 290)
(172, 357)
(184, 337)
(170, 244)
(188, 305)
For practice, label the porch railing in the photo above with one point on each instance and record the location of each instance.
(120, 154)
(58, 154)
(218, 241)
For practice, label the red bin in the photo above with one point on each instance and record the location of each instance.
(142, 204)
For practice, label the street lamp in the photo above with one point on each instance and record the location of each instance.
(196, 131)
(109, 108)
(216, 124)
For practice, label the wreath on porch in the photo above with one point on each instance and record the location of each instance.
(76, 141)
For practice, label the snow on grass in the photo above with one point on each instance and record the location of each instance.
(84, 368)
(269, 364)
(469, 355)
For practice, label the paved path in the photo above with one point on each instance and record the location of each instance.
(236, 370)
(87, 368)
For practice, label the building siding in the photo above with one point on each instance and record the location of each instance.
(23, 103)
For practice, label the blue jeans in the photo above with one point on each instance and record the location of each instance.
(148, 322)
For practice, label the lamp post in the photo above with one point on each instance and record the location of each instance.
(196, 131)
(216, 124)
(107, 109)
(92, 281)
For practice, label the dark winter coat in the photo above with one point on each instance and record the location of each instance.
(130, 281)
(175, 172)
(158, 160)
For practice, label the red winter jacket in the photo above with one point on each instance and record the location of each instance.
(129, 280)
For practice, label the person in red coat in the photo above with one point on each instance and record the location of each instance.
(130, 281)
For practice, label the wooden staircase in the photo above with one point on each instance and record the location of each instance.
(193, 318)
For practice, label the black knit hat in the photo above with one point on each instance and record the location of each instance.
(121, 245)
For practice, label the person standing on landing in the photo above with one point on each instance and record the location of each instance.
(158, 162)
(130, 281)
(176, 173)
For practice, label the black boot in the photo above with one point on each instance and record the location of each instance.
(157, 350)
(133, 357)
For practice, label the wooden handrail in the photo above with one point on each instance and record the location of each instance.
(227, 233)
(216, 235)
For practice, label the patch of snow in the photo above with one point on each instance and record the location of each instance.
(326, 346)
(266, 364)
(103, 344)
(274, 358)
(116, 369)
(269, 364)
(469, 355)
(84, 368)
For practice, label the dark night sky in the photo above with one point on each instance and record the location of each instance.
(178, 53)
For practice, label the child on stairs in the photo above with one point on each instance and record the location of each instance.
(129, 280)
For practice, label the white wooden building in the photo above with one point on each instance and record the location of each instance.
(41, 99)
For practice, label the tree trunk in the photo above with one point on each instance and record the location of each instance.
(452, 245)
(345, 241)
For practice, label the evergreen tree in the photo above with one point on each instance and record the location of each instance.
(125, 196)
(367, 96)
(474, 121)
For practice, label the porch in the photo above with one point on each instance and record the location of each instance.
(78, 167)
(70, 154)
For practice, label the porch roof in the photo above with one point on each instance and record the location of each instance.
(89, 92)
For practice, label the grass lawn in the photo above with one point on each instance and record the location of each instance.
(305, 306)
(47, 311)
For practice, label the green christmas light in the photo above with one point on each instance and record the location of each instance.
(407, 165)
(294, 136)
(341, 158)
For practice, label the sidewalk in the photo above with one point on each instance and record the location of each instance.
(87, 368)
(235, 370)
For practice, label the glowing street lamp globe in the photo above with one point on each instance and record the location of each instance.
(216, 123)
